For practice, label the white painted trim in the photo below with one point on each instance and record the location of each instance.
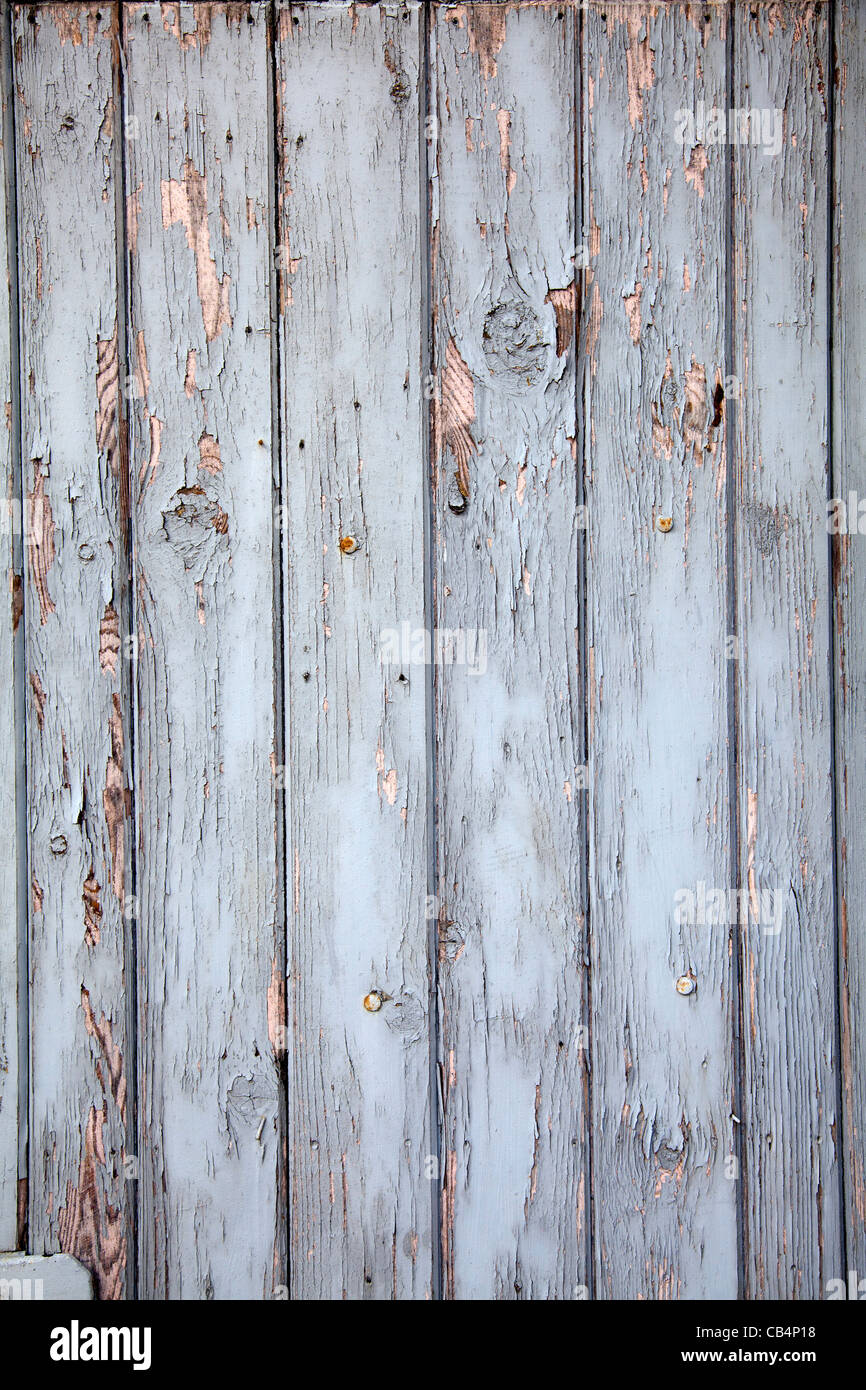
(43, 1277)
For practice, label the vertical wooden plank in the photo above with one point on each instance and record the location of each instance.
(790, 1131)
(662, 1062)
(77, 722)
(11, 732)
(353, 474)
(211, 970)
(509, 712)
(848, 528)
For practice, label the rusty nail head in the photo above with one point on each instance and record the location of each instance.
(348, 545)
(665, 523)
(686, 984)
(373, 1001)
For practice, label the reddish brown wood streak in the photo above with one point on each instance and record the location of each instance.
(40, 540)
(114, 799)
(186, 202)
(92, 909)
(457, 414)
(564, 307)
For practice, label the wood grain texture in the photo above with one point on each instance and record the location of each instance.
(353, 470)
(77, 722)
(790, 1121)
(210, 959)
(849, 584)
(662, 1063)
(509, 717)
(408, 285)
(11, 732)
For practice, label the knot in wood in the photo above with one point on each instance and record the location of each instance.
(195, 525)
(514, 342)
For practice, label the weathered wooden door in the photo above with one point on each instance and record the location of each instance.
(432, 689)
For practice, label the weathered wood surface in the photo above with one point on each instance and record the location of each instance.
(210, 967)
(509, 714)
(654, 339)
(791, 1119)
(78, 724)
(11, 733)
(849, 603)
(461, 287)
(351, 335)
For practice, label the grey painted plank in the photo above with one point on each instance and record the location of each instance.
(509, 714)
(54, 1278)
(210, 960)
(790, 1121)
(77, 721)
(353, 467)
(849, 582)
(662, 1063)
(11, 733)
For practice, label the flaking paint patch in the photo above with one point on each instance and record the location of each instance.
(40, 541)
(101, 1030)
(696, 169)
(189, 376)
(114, 798)
(109, 432)
(199, 37)
(65, 18)
(142, 371)
(695, 410)
(89, 1227)
(133, 212)
(209, 454)
(632, 310)
(16, 589)
(152, 462)
(185, 201)
(90, 896)
(503, 122)
(485, 24)
(458, 413)
(640, 62)
(38, 698)
(277, 1011)
(565, 308)
(593, 327)
(386, 781)
(109, 640)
